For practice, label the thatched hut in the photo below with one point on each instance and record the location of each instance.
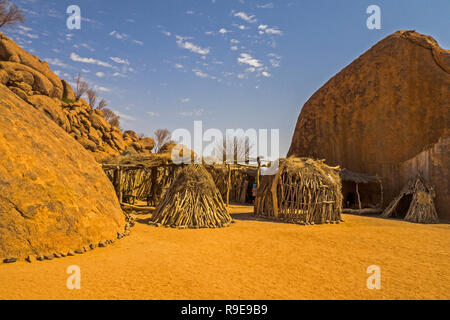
(192, 201)
(362, 193)
(235, 182)
(415, 203)
(303, 191)
(140, 177)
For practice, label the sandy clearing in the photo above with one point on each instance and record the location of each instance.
(250, 260)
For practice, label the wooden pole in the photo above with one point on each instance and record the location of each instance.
(119, 184)
(273, 189)
(228, 185)
(359, 198)
(258, 172)
(381, 194)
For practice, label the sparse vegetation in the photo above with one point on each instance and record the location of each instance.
(102, 104)
(162, 136)
(81, 86)
(92, 97)
(10, 14)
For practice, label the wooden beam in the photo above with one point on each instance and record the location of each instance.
(359, 198)
(228, 185)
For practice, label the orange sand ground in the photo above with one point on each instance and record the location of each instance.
(250, 260)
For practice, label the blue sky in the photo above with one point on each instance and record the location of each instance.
(230, 63)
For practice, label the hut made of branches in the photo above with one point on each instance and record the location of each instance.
(192, 201)
(415, 203)
(234, 181)
(303, 191)
(141, 177)
(353, 202)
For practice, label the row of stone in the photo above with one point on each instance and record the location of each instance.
(92, 246)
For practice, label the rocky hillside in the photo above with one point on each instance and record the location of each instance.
(54, 198)
(32, 81)
(381, 112)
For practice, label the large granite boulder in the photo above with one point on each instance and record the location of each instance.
(54, 197)
(387, 108)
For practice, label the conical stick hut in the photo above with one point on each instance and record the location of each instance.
(193, 201)
(415, 203)
(303, 191)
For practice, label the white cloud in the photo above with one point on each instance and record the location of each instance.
(191, 47)
(58, 63)
(179, 66)
(153, 114)
(234, 48)
(138, 42)
(167, 33)
(124, 116)
(273, 31)
(25, 31)
(248, 59)
(117, 35)
(263, 28)
(100, 74)
(234, 41)
(185, 100)
(102, 89)
(266, 74)
(85, 45)
(77, 58)
(265, 6)
(223, 31)
(196, 113)
(200, 73)
(120, 61)
(275, 60)
(190, 12)
(245, 17)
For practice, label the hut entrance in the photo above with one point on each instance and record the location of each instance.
(415, 203)
(403, 206)
(360, 191)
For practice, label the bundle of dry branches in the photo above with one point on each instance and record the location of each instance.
(420, 207)
(193, 201)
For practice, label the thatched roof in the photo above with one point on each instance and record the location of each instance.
(347, 175)
(192, 201)
(133, 159)
(421, 209)
(310, 169)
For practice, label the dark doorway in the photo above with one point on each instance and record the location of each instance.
(403, 206)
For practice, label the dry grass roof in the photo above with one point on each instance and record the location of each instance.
(138, 159)
(347, 175)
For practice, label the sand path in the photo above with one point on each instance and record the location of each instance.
(250, 260)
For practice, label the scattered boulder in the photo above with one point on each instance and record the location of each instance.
(10, 260)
